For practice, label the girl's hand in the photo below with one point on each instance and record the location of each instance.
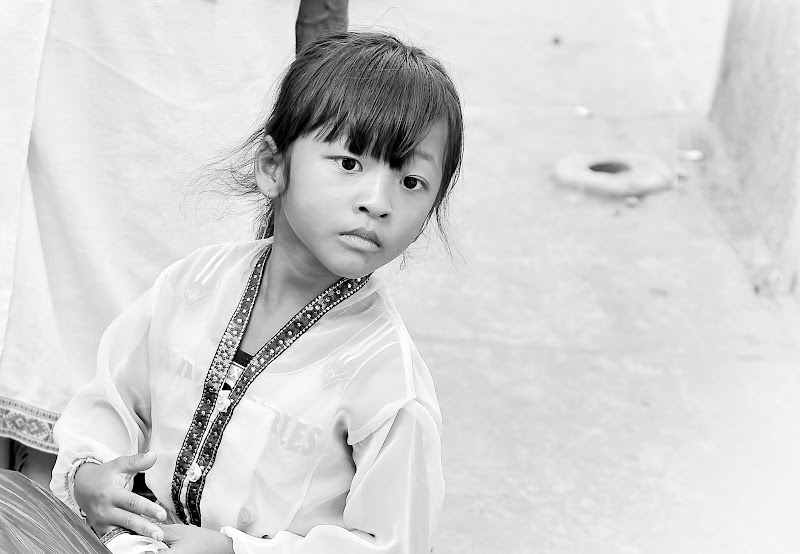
(188, 539)
(101, 494)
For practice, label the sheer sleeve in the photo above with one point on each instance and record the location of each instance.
(394, 500)
(110, 416)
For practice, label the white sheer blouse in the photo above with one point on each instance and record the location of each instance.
(333, 447)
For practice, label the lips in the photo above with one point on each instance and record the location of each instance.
(366, 234)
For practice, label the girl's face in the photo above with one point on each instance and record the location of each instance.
(351, 214)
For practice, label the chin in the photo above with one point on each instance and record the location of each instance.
(353, 273)
(352, 270)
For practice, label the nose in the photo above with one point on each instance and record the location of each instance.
(375, 198)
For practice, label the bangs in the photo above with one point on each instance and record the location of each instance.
(382, 112)
(379, 101)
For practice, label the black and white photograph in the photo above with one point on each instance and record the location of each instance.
(400, 277)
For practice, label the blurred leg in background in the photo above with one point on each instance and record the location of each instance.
(5, 453)
(32, 463)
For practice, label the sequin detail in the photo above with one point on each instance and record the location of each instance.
(203, 438)
(194, 473)
(223, 402)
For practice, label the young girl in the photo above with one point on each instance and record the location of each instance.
(270, 389)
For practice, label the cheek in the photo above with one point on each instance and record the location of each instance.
(413, 225)
(303, 217)
(423, 217)
(311, 211)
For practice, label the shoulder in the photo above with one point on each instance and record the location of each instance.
(206, 273)
(379, 363)
(206, 262)
(373, 339)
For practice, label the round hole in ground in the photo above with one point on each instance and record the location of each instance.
(610, 167)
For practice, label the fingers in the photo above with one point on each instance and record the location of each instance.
(135, 464)
(171, 536)
(172, 533)
(135, 523)
(135, 504)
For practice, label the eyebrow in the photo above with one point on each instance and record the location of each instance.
(425, 155)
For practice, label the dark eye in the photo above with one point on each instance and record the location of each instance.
(413, 183)
(349, 164)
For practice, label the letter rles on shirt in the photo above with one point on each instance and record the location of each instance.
(295, 433)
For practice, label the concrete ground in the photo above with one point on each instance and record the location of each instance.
(610, 382)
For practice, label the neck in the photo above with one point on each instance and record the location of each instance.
(290, 277)
(294, 276)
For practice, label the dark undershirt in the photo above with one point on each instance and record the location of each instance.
(241, 358)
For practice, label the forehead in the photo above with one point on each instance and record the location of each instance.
(432, 147)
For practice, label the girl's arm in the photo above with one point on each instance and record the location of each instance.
(109, 417)
(394, 501)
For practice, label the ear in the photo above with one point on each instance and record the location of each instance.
(269, 169)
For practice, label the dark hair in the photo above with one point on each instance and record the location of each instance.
(378, 94)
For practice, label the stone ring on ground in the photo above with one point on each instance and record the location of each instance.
(617, 175)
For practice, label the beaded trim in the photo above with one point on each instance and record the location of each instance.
(202, 440)
(113, 533)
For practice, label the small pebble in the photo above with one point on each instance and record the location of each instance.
(632, 201)
(693, 155)
(582, 111)
(681, 174)
(556, 40)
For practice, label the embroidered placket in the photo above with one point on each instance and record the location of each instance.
(185, 465)
(202, 440)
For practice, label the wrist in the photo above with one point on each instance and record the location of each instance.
(74, 489)
(226, 545)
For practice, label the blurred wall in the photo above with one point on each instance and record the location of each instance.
(756, 108)
(688, 37)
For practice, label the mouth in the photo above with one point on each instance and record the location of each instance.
(362, 238)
